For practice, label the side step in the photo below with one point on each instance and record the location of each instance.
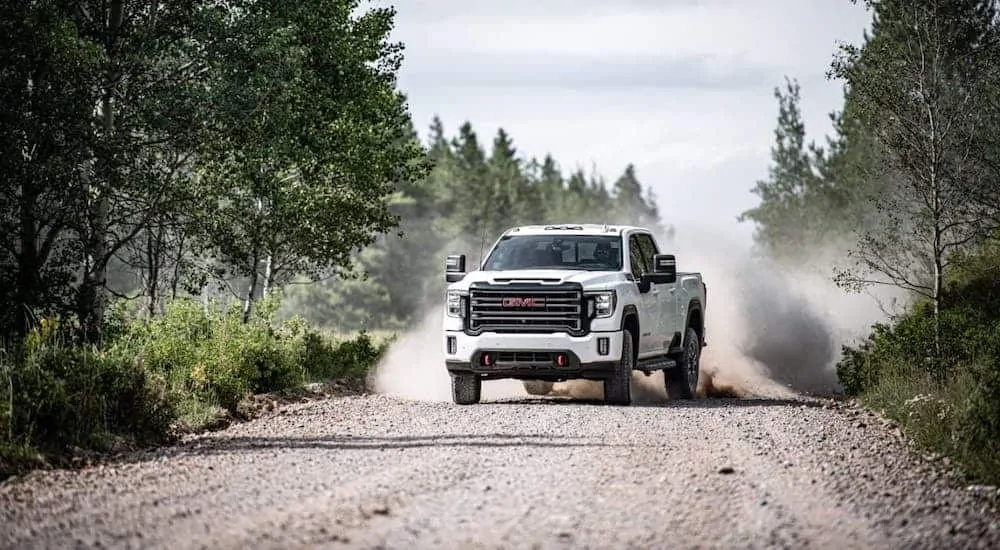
(654, 364)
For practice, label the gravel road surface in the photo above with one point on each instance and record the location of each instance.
(379, 472)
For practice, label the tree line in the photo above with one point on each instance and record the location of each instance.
(910, 177)
(909, 185)
(150, 149)
(157, 150)
(475, 190)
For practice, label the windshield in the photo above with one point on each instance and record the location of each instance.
(584, 252)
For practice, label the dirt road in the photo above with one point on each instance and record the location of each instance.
(378, 472)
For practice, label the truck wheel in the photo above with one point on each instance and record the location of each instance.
(617, 388)
(537, 387)
(466, 389)
(682, 380)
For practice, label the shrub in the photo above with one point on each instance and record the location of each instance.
(208, 352)
(185, 366)
(950, 406)
(54, 396)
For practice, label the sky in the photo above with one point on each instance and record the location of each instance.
(683, 89)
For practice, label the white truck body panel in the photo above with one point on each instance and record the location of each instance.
(515, 322)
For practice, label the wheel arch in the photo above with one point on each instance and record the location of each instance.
(696, 319)
(630, 321)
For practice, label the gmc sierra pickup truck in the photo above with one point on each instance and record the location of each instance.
(560, 302)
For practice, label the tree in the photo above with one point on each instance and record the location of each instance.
(512, 191)
(313, 137)
(631, 205)
(784, 224)
(45, 135)
(397, 278)
(920, 82)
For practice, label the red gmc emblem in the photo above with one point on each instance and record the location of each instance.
(522, 302)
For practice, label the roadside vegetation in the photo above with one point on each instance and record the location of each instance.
(909, 181)
(195, 367)
(950, 406)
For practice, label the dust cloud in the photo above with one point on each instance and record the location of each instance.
(773, 330)
(414, 367)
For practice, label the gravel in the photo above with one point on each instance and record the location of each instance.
(380, 472)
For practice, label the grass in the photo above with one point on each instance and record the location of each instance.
(948, 406)
(192, 369)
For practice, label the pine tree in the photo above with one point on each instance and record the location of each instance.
(783, 223)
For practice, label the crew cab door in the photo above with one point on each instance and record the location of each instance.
(666, 298)
(651, 327)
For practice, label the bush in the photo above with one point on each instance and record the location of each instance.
(950, 406)
(179, 369)
(55, 397)
(209, 353)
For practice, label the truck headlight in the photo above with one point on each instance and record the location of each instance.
(602, 304)
(456, 303)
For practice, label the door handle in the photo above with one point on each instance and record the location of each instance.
(673, 289)
(655, 292)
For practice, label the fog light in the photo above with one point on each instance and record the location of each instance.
(452, 345)
(602, 346)
(487, 360)
(562, 360)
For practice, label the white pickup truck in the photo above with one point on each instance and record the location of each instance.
(560, 302)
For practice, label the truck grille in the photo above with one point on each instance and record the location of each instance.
(526, 308)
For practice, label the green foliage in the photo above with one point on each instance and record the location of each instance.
(177, 370)
(210, 353)
(462, 206)
(930, 120)
(814, 195)
(952, 406)
(154, 148)
(55, 396)
(908, 182)
(313, 139)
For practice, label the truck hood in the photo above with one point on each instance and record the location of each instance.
(589, 279)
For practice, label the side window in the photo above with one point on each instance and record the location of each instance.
(648, 248)
(641, 262)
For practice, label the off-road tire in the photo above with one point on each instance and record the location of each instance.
(537, 387)
(617, 388)
(466, 389)
(682, 380)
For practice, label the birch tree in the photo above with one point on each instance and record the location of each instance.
(921, 82)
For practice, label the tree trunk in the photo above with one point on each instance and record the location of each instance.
(251, 287)
(92, 299)
(268, 274)
(153, 259)
(28, 265)
(176, 276)
(938, 253)
(938, 280)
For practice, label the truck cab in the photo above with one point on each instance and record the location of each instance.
(561, 302)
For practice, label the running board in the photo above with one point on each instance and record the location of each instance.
(654, 364)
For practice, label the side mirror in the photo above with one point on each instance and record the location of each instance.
(664, 269)
(454, 268)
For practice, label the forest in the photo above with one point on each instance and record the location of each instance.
(908, 187)
(205, 202)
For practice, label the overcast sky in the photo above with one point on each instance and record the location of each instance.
(681, 88)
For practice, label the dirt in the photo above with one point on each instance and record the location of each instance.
(384, 472)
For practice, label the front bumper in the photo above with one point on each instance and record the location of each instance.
(532, 356)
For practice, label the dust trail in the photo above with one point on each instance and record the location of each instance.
(772, 330)
(414, 367)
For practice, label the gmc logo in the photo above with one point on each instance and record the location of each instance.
(522, 302)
